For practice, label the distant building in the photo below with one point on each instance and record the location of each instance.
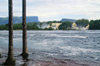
(55, 25)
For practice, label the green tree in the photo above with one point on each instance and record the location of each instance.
(50, 24)
(2, 27)
(94, 25)
(32, 27)
(17, 26)
(50, 28)
(82, 22)
(40, 24)
(65, 26)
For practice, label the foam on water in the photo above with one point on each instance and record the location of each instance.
(55, 35)
(92, 32)
(19, 62)
(76, 36)
(2, 38)
(54, 44)
(76, 50)
(31, 34)
(17, 39)
(17, 34)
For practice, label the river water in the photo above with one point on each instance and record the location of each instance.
(81, 46)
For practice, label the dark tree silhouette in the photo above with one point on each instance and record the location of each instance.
(10, 60)
(0, 55)
(25, 50)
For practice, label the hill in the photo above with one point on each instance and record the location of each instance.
(70, 20)
(19, 20)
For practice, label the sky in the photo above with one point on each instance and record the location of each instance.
(49, 10)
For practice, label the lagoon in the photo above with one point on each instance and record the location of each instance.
(80, 46)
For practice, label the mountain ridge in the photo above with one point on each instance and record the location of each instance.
(66, 19)
(19, 19)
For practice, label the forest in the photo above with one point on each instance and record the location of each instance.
(93, 25)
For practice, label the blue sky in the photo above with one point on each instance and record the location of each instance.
(55, 9)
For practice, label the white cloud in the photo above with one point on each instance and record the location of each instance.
(56, 8)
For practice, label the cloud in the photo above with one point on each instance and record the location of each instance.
(51, 8)
(57, 9)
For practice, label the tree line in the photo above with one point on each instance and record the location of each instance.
(30, 26)
(93, 25)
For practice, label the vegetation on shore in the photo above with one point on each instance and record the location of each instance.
(65, 26)
(50, 28)
(30, 26)
(93, 25)
(82, 22)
